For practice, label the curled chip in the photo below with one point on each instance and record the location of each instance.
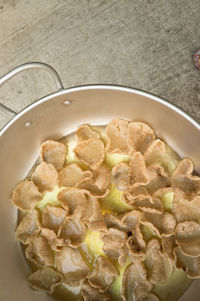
(85, 132)
(90, 152)
(45, 177)
(117, 131)
(72, 175)
(120, 174)
(28, 227)
(135, 252)
(55, 243)
(155, 150)
(158, 265)
(183, 209)
(98, 184)
(134, 282)
(184, 180)
(168, 245)
(158, 178)
(190, 265)
(138, 173)
(26, 195)
(53, 152)
(91, 293)
(103, 274)
(52, 218)
(115, 244)
(72, 232)
(76, 271)
(39, 252)
(136, 194)
(140, 136)
(45, 279)
(187, 236)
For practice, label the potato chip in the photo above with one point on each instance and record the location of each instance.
(85, 132)
(117, 131)
(28, 227)
(45, 177)
(190, 265)
(91, 293)
(52, 217)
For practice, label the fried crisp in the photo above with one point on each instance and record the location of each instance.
(117, 131)
(90, 152)
(164, 223)
(184, 180)
(45, 177)
(183, 209)
(115, 221)
(135, 285)
(140, 136)
(103, 274)
(55, 243)
(135, 252)
(45, 279)
(28, 227)
(120, 175)
(138, 173)
(39, 252)
(168, 245)
(90, 293)
(26, 195)
(85, 132)
(52, 217)
(98, 184)
(136, 194)
(115, 244)
(187, 236)
(70, 263)
(72, 175)
(153, 206)
(72, 232)
(158, 178)
(53, 152)
(190, 265)
(154, 151)
(158, 265)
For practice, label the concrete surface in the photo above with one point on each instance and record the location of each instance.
(147, 44)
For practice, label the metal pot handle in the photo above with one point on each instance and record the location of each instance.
(31, 65)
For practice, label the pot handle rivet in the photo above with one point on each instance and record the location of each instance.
(67, 102)
(28, 124)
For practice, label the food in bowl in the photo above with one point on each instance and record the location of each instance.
(110, 213)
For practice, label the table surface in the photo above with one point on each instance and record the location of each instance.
(146, 44)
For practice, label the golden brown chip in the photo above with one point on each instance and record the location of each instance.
(72, 175)
(184, 180)
(154, 151)
(135, 252)
(103, 274)
(196, 201)
(158, 265)
(28, 227)
(168, 245)
(90, 152)
(190, 265)
(138, 173)
(165, 223)
(39, 252)
(45, 177)
(158, 178)
(115, 221)
(120, 174)
(115, 244)
(98, 183)
(52, 217)
(117, 131)
(136, 194)
(187, 236)
(70, 263)
(55, 243)
(90, 293)
(135, 285)
(153, 206)
(140, 136)
(45, 279)
(26, 195)
(53, 152)
(183, 209)
(72, 232)
(93, 216)
(85, 132)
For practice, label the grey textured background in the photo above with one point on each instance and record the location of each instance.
(146, 44)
